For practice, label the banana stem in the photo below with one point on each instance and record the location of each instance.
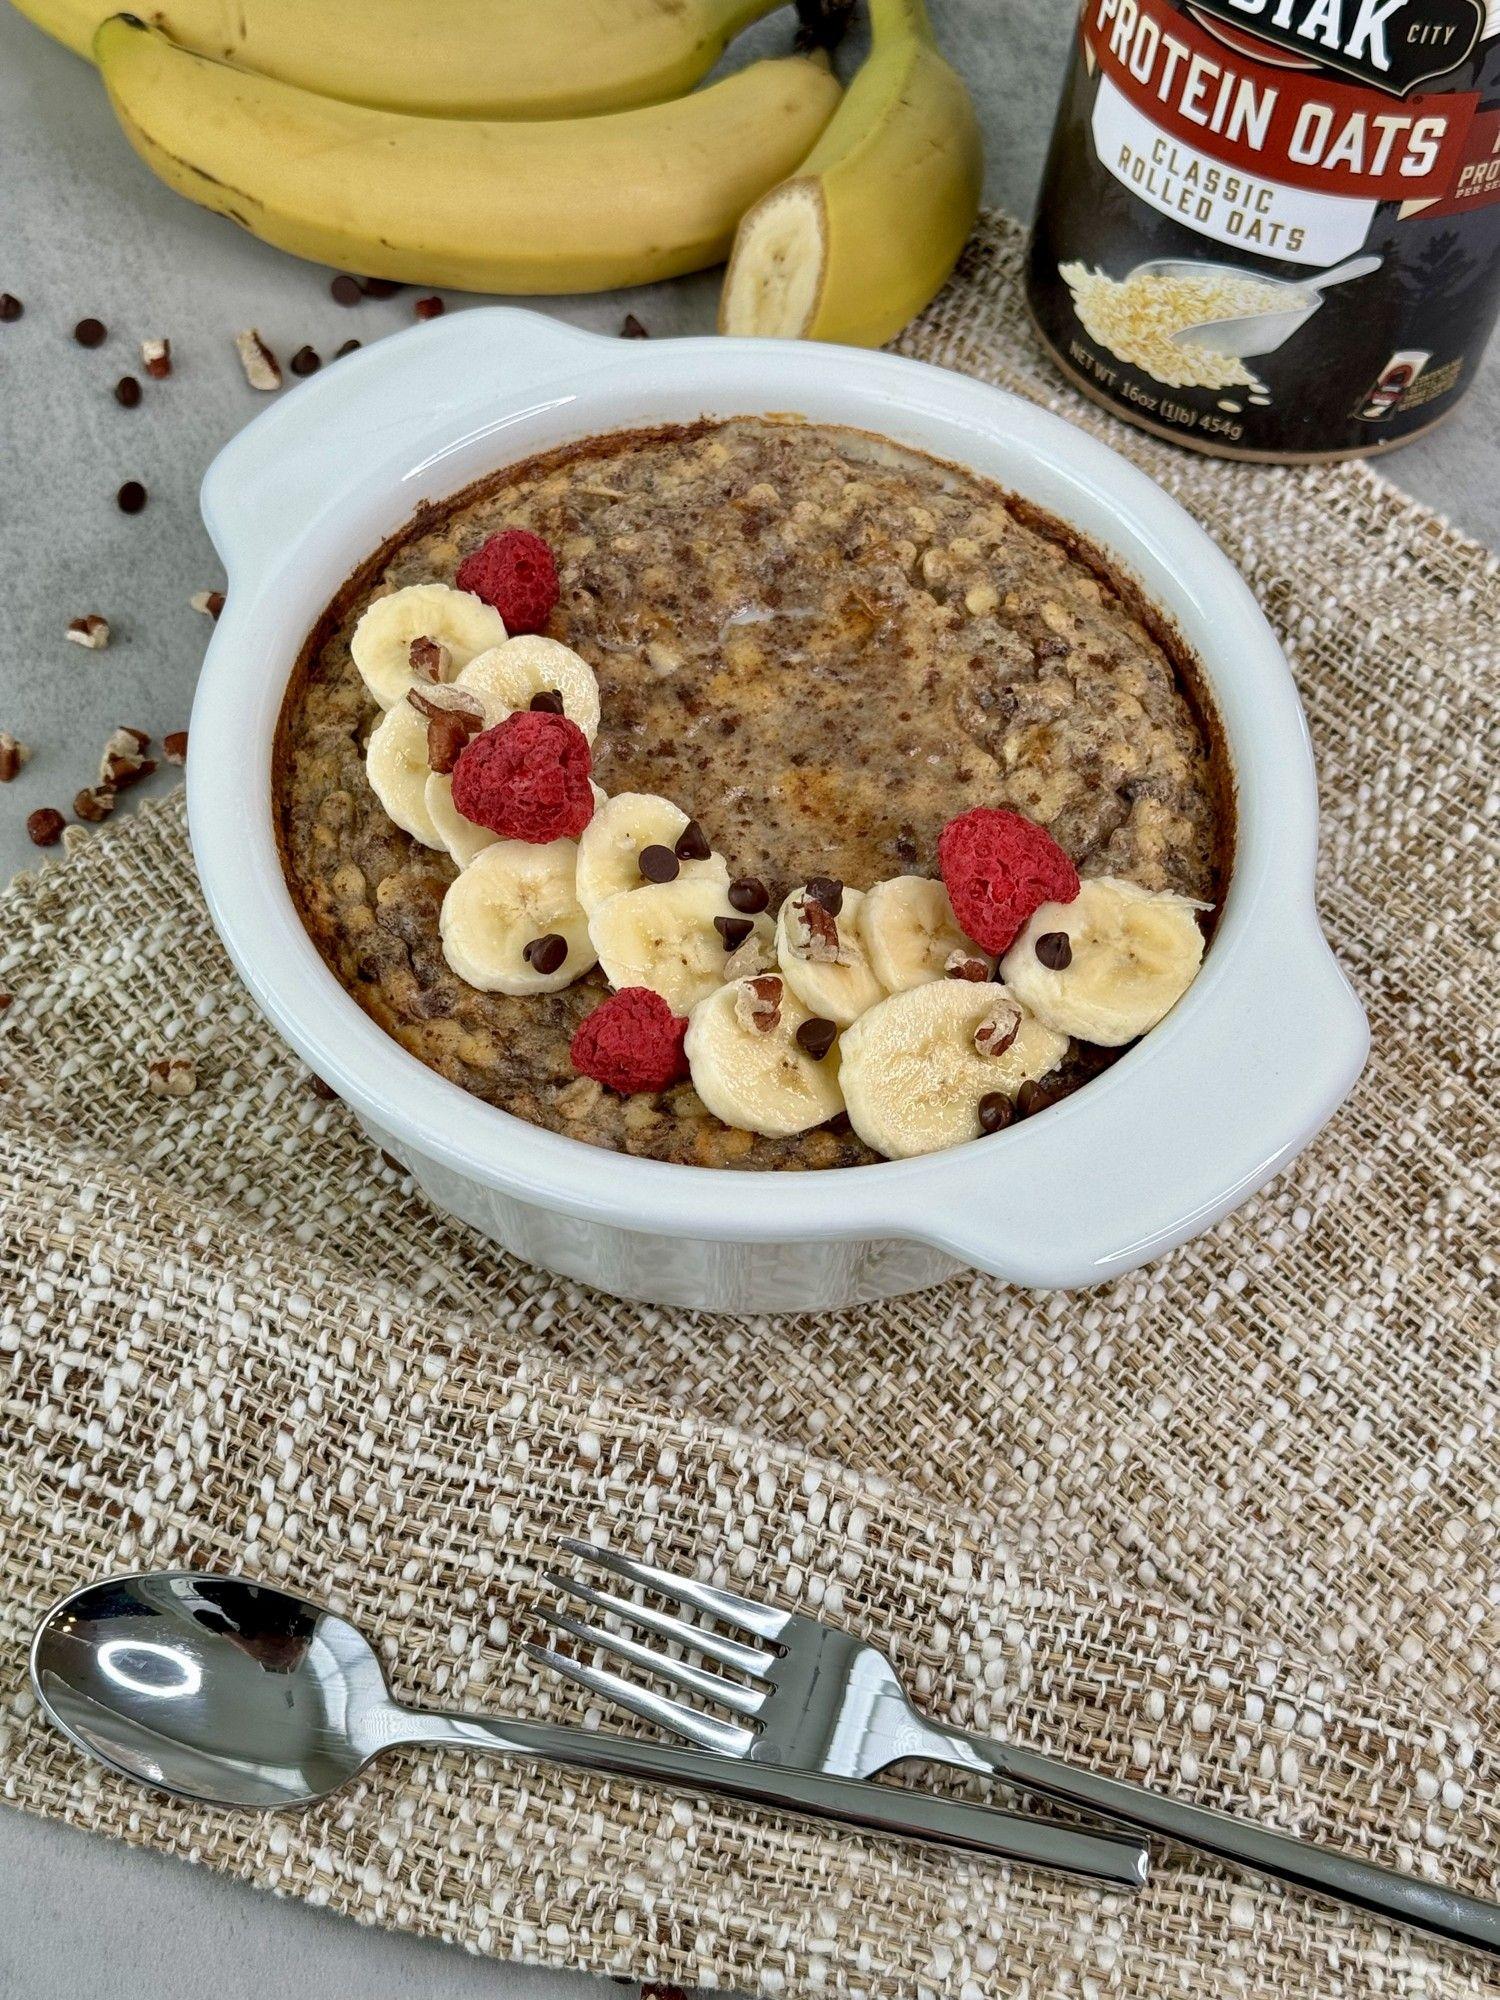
(821, 24)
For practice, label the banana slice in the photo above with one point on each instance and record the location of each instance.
(910, 933)
(822, 956)
(1130, 955)
(462, 624)
(663, 936)
(748, 1066)
(397, 768)
(506, 677)
(516, 894)
(610, 846)
(462, 838)
(915, 1067)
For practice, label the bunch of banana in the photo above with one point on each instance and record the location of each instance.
(447, 58)
(487, 205)
(866, 232)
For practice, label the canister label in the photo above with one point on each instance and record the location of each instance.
(1252, 208)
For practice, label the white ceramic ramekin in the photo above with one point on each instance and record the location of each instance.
(1195, 1118)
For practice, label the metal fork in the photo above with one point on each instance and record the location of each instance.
(811, 1697)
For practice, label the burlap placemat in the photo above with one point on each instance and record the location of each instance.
(1228, 1524)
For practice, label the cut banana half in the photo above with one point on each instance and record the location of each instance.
(611, 845)
(397, 769)
(748, 1066)
(507, 677)
(513, 900)
(462, 838)
(462, 624)
(910, 933)
(1130, 955)
(822, 956)
(664, 936)
(915, 1068)
(868, 228)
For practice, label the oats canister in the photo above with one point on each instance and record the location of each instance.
(1271, 228)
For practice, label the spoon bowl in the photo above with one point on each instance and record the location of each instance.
(216, 1688)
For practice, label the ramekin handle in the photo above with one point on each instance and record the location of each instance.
(357, 421)
(1201, 1119)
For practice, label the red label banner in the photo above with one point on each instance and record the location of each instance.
(1298, 127)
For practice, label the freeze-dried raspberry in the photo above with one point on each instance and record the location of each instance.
(999, 868)
(515, 572)
(527, 778)
(632, 1041)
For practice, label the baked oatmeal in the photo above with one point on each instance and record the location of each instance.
(797, 687)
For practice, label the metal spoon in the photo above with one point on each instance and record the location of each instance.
(235, 1693)
(1262, 332)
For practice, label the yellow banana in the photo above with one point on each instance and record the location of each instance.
(556, 205)
(864, 234)
(451, 58)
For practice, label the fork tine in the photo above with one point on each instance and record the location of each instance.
(728, 1652)
(714, 1687)
(761, 1619)
(707, 1731)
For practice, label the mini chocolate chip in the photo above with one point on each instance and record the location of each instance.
(733, 930)
(1031, 1098)
(379, 288)
(749, 894)
(91, 333)
(692, 843)
(546, 954)
(631, 329)
(816, 1037)
(1055, 950)
(995, 1111)
(10, 306)
(839, 1124)
(827, 890)
(131, 497)
(348, 347)
(658, 864)
(127, 391)
(306, 361)
(550, 702)
(428, 308)
(346, 290)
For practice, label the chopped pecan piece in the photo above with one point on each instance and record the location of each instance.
(453, 716)
(753, 956)
(172, 1076)
(209, 602)
(813, 931)
(13, 754)
(94, 803)
(262, 369)
(962, 964)
(999, 1028)
(174, 746)
(91, 630)
(156, 356)
(123, 763)
(429, 657)
(757, 1003)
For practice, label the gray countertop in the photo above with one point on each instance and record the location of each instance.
(85, 229)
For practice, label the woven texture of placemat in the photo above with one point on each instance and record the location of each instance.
(1228, 1525)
